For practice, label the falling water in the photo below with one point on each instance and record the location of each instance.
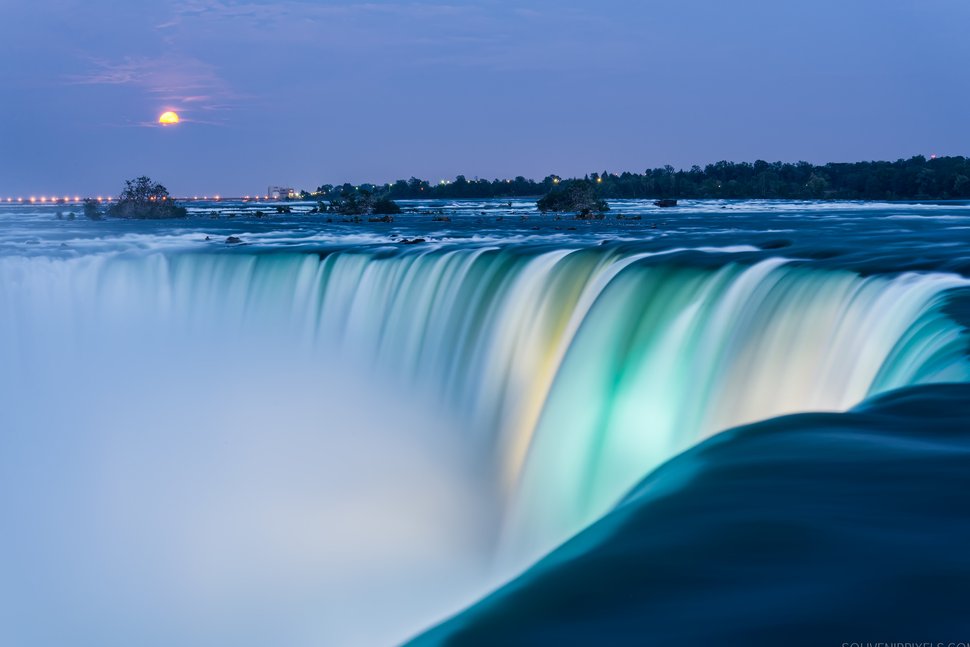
(562, 376)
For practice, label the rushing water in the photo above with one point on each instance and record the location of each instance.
(308, 427)
(797, 530)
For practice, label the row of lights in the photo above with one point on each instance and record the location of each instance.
(67, 199)
(53, 199)
(216, 197)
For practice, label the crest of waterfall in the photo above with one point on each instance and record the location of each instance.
(575, 371)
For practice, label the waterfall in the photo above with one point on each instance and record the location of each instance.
(571, 372)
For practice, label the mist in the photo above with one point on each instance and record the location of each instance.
(166, 484)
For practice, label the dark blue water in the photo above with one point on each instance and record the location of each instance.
(866, 236)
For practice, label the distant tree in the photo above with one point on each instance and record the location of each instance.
(816, 186)
(143, 189)
(926, 182)
(385, 207)
(576, 196)
(363, 203)
(145, 199)
(92, 209)
(418, 186)
(914, 178)
(961, 186)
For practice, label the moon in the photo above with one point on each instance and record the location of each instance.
(169, 118)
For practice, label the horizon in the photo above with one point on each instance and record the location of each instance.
(107, 196)
(300, 94)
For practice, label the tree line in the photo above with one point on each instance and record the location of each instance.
(916, 178)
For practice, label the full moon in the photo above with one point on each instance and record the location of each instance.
(169, 118)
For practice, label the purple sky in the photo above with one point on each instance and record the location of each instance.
(303, 92)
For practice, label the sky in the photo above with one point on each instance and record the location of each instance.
(301, 93)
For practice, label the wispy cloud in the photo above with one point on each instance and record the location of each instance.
(204, 57)
(302, 19)
(481, 35)
(178, 83)
(290, 8)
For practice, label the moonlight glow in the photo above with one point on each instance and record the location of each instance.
(169, 118)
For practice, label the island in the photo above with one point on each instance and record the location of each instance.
(576, 196)
(362, 203)
(142, 199)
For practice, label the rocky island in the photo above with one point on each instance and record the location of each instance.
(144, 199)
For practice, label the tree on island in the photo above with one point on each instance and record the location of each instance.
(92, 209)
(145, 199)
(363, 203)
(576, 196)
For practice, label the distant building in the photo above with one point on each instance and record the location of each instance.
(282, 193)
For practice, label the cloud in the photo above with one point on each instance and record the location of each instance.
(486, 35)
(178, 82)
(295, 8)
(299, 19)
(196, 53)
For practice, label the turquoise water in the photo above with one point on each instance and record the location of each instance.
(342, 413)
(807, 529)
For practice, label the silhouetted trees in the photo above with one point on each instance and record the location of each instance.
(916, 178)
(362, 202)
(92, 209)
(460, 187)
(576, 196)
(145, 199)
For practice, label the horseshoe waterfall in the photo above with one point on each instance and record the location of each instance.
(349, 419)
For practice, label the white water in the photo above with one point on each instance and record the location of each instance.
(255, 449)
